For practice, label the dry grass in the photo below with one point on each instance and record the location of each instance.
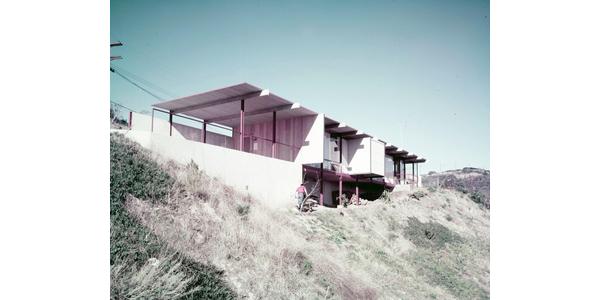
(364, 253)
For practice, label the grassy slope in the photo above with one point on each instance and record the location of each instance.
(142, 266)
(433, 247)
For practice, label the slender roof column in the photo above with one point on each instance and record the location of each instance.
(130, 117)
(242, 126)
(321, 185)
(413, 173)
(340, 193)
(204, 132)
(273, 149)
(170, 123)
(357, 193)
(152, 122)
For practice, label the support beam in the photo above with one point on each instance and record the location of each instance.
(130, 116)
(256, 112)
(357, 193)
(152, 122)
(404, 172)
(219, 101)
(321, 185)
(343, 134)
(242, 126)
(413, 173)
(274, 145)
(170, 123)
(340, 148)
(204, 132)
(417, 175)
(340, 192)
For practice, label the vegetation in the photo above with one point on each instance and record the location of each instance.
(142, 267)
(473, 182)
(381, 250)
(417, 195)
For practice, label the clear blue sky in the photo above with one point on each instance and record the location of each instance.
(413, 73)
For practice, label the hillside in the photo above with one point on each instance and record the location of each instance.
(473, 182)
(178, 233)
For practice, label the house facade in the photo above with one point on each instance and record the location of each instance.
(263, 132)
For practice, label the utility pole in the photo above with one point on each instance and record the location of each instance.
(115, 44)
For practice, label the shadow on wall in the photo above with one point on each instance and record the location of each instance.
(291, 134)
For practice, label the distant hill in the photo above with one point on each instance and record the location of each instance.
(472, 181)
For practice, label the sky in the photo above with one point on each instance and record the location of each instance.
(413, 73)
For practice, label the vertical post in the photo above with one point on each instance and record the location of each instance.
(273, 150)
(413, 173)
(340, 193)
(321, 185)
(340, 148)
(242, 126)
(417, 175)
(170, 123)
(404, 172)
(152, 122)
(357, 193)
(204, 131)
(130, 115)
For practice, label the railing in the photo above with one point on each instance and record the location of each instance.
(120, 116)
(334, 166)
(251, 143)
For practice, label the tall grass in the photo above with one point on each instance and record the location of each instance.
(357, 252)
(142, 267)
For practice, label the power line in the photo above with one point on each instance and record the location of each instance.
(148, 84)
(135, 84)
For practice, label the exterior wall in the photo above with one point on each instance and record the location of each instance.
(143, 122)
(328, 188)
(295, 138)
(366, 156)
(269, 180)
(359, 156)
(389, 167)
(345, 160)
(377, 157)
(312, 149)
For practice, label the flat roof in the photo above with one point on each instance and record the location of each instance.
(222, 106)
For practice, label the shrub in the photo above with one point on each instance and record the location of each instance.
(243, 210)
(417, 195)
(386, 197)
(429, 235)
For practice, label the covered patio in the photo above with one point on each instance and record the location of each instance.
(233, 109)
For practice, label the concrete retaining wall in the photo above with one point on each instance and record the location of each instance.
(271, 181)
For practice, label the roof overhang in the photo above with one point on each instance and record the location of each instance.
(223, 106)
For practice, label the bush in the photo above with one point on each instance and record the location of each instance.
(417, 195)
(243, 210)
(386, 197)
(480, 198)
(429, 235)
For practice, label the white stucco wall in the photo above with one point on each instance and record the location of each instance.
(377, 157)
(359, 155)
(271, 181)
(365, 156)
(312, 150)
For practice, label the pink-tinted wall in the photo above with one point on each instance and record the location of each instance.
(291, 134)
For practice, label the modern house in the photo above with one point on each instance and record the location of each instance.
(261, 142)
